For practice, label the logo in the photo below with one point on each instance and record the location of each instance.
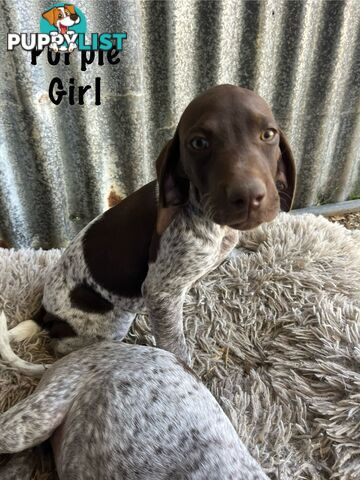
(64, 23)
(63, 29)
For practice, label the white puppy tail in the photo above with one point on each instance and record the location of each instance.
(6, 353)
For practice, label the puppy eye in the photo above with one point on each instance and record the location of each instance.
(59, 16)
(199, 143)
(268, 134)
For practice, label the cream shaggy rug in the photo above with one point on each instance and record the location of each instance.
(274, 333)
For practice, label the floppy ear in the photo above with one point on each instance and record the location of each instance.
(71, 9)
(286, 175)
(173, 183)
(50, 16)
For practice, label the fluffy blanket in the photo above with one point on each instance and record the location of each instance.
(274, 333)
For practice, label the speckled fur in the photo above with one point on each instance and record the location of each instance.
(70, 270)
(128, 412)
(190, 247)
(19, 467)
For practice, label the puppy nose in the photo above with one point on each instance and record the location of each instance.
(250, 194)
(74, 17)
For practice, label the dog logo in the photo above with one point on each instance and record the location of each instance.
(64, 20)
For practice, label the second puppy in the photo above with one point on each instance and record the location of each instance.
(116, 411)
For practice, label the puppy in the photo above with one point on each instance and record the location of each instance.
(119, 411)
(228, 168)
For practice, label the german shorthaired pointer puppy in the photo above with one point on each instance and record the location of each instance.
(116, 411)
(227, 168)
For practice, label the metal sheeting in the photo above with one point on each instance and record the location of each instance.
(62, 165)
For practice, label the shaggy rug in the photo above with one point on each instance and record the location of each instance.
(274, 333)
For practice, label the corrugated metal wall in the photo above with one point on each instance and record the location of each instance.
(62, 165)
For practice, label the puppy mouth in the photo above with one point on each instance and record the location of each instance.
(247, 221)
(63, 28)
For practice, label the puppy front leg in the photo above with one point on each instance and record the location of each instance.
(166, 318)
(183, 256)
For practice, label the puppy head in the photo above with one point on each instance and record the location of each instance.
(229, 147)
(62, 17)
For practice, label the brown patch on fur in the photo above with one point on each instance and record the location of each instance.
(56, 326)
(116, 246)
(86, 299)
(164, 218)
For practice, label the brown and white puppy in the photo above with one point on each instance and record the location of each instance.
(62, 18)
(227, 168)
